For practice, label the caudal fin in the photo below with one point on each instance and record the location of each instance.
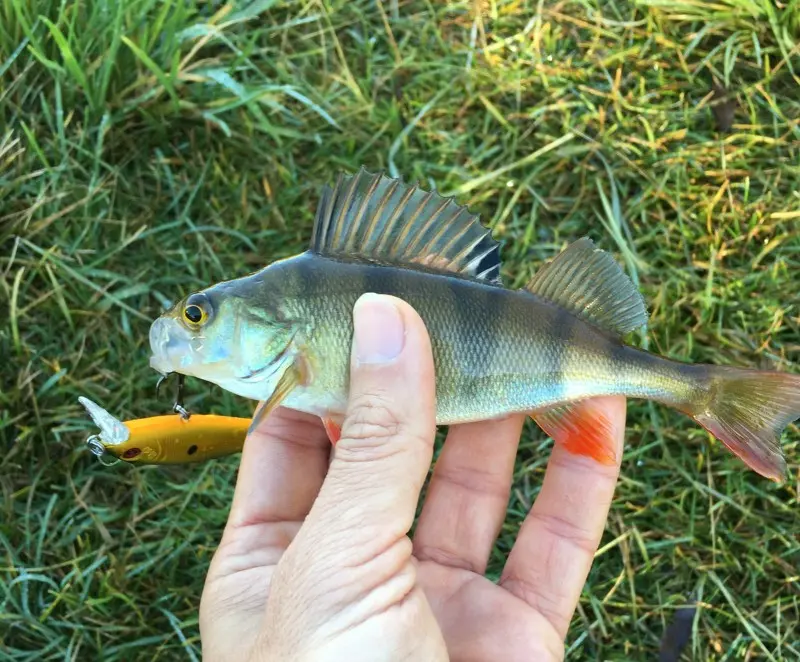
(748, 411)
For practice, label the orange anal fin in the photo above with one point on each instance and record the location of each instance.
(581, 428)
(333, 429)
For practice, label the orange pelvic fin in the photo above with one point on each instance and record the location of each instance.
(333, 429)
(582, 428)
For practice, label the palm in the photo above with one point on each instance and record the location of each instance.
(241, 572)
(484, 621)
(478, 618)
(525, 616)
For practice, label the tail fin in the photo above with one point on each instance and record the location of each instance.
(747, 411)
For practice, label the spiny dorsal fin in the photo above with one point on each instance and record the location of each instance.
(589, 283)
(381, 219)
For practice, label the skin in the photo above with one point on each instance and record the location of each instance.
(315, 562)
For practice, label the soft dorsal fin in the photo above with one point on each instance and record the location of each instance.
(377, 218)
(589, 283)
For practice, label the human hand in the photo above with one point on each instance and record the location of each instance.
(315, 562)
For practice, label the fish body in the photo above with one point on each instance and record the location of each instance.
(496, 351)
(284, 333)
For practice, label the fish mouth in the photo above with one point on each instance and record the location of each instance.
(168, 346)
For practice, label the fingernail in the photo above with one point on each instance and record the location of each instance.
(379, 329)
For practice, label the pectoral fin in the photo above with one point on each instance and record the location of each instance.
(581, 428)
(333, 428)
(292, 377)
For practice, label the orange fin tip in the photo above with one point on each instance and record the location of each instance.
(581, 428)
(333, 429)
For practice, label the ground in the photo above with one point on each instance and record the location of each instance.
(148, 148)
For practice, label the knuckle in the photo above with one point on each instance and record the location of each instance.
(552, 606)
(371, 419)
(376, 427)
(479, 481)
(445, 557)
(568, 532)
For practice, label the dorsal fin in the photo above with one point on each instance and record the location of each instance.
(381, 219)
(590, 284)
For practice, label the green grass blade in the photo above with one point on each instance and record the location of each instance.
(151, 66)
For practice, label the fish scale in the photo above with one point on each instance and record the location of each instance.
(493, 349)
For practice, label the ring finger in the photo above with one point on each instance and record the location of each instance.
(550, 561)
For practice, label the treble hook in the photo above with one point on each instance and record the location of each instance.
(99, 451)
(178, 406)
(160, 381)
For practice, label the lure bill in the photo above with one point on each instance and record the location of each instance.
(172, 439)
(284, 333)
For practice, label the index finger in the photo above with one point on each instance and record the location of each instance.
(555, 548)
(284, 462)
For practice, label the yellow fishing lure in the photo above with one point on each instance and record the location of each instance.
(171, 439)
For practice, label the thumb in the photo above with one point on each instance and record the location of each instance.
(347, 583)
(381, 461)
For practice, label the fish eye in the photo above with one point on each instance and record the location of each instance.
(131, 453)
(193, 314)
(196, 311)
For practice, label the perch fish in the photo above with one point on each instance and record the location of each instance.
(283, 334)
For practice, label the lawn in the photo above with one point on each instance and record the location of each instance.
(152, 147)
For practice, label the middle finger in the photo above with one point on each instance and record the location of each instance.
(468, 494)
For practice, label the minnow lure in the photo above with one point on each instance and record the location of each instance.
(173, 439)
(283, 334)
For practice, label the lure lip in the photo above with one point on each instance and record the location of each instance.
(112, 431)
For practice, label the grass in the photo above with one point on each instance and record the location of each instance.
(149, 148)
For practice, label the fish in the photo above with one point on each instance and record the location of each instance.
(283, 334)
